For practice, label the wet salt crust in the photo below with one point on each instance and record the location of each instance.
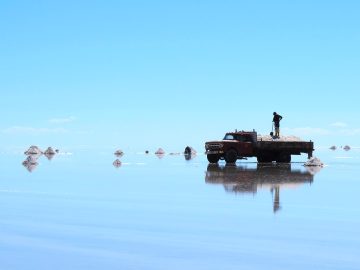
(82, 212)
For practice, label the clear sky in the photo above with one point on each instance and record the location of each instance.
(148, 74)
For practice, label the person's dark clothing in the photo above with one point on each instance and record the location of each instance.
(277, 119)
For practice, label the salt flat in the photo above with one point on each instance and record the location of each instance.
(81, 212)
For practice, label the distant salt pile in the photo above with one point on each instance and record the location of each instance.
(314, 161)
(160, 151)
(49, 151)
(189, 151)
(33, 150)
(346, 148)
(119, 153)
(289, 138)
(117, 163)
(333, 147)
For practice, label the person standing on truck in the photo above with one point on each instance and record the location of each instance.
(276, 119)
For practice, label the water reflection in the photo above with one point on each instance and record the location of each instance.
(33, 155)
(117, 163)
(49, 156)
(240, 179)
(30, 163)
(189, 153)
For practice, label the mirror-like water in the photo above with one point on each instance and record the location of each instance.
(97, 211)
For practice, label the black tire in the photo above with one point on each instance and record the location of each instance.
(230, 156)
(283, 158)
(213, 158)
(265, 157)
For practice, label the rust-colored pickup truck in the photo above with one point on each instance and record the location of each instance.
(244, 144)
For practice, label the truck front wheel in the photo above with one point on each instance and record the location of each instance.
(231, 156)
(213, 158)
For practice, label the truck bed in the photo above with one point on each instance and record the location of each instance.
(293, 147)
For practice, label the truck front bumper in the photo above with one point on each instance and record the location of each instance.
(214, 152)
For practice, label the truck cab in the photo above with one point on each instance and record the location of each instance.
(234, 145)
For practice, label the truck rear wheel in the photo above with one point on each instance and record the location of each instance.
(213, 158)
(283, 158)
(230, 156)
(265, 157)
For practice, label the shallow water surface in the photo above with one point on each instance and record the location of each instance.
(80, 211)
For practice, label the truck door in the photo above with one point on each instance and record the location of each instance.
(246, 145)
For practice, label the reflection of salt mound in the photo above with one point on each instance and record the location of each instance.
(313, 169)
(189, 153)
(31, 167)
(49, 156)
(119, 153)
(49, 151)
(31, 160)
(117, 163)
(160, 151)
(346, 148)
(30, 163)
(314, 161)
(33, 150)
(289, 138)
(333, 147)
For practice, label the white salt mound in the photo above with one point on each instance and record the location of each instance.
(49, 151)
(119, 153)
(33, 150)
(314, 161)
(289, 138)
(189, 151)
(160, 151)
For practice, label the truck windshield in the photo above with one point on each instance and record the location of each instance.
(229, 137)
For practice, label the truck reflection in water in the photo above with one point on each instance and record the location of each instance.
(240, 179)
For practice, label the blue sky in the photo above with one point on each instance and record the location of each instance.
(144, 74)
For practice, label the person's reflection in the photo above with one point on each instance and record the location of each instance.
(276, 199)
(239, 179)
